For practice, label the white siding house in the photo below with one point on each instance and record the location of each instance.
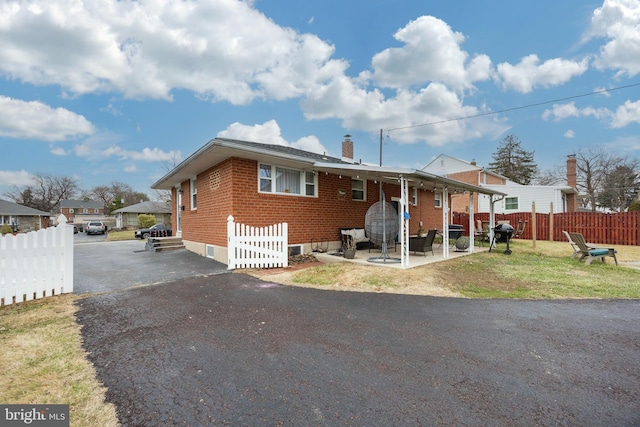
(519, 197)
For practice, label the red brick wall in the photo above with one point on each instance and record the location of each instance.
(231, 188)
(309, 218)
(425, 211)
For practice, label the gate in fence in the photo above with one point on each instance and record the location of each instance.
(257, 247)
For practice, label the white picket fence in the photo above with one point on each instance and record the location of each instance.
(253, 247)
(36, 264)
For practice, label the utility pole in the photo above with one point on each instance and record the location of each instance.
(380, 147)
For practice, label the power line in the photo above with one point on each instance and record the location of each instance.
(516, 108)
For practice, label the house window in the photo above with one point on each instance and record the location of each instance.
(437, 200)
(96, 211)
(70, 210)
(276, 179)
(414, 196)
(358, 188)
(511, 203)
(310, 183)
(194, 193)
(85, 210)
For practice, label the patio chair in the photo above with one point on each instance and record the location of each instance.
(520, 228)
(423, 244)
(576, 249)
(590, 254)
(481, 233)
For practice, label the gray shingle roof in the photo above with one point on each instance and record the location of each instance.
(145, 207)
(285, 150)
(70, 203)
(10, 208)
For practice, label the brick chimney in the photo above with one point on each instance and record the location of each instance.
(473, 162)
(347, 149)
(572, 181)
(572, 176)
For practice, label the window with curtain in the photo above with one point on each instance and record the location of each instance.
(276, 179)
(194, 193)
(357, 189)
(437, 200)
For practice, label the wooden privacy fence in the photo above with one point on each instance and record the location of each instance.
(253, 247)
(36, 264)
(621, 228)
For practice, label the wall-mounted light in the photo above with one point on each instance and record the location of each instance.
(341, 192)
(180, 191)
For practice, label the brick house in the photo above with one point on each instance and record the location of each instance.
(518, 197)
(80, 212)
(23, 218)
(262, 184)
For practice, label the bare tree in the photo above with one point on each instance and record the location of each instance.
(593, 164)
(117, 195)
(554, 176)
(46, 193)
(619, 188)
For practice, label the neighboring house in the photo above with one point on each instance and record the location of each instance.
(22, 218)
(82, 211)
(262, 184)
(128, 216)
(519, 198)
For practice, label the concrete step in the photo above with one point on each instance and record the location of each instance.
(156, 244)
(168, 248)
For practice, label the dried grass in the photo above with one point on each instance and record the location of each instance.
(43, 362)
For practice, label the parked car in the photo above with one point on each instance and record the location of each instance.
(145, 233)
(95, 227)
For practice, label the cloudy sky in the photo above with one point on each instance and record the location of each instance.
(107, 90)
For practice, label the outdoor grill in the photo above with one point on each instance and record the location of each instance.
(502, 234)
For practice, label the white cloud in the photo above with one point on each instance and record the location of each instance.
(530, 73)
(269, 133)
(17, 178)
(361, 109)
(111, 109)
(104, 145)
(431, 52)
(564, 111)
(222, 50)
(58, 151)
(626, 114)
(35, 120)
(569, 134)
(618, 21)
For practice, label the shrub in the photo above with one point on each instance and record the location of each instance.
(635, 206)
(146, 220)
(6, 229)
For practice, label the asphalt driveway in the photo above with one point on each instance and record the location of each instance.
(100, 266)
(231, 349)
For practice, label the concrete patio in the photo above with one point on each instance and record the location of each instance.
(393, 256)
